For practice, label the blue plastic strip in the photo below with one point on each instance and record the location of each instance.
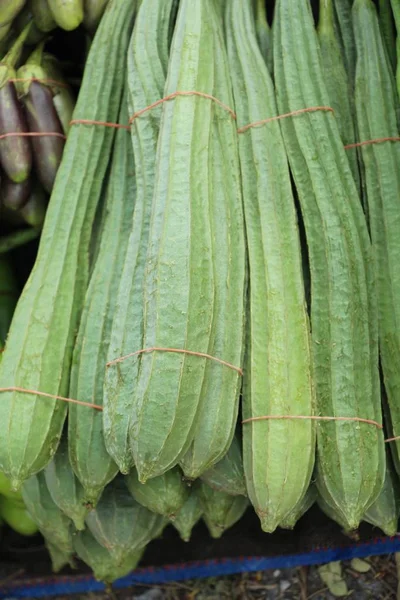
(212, 568)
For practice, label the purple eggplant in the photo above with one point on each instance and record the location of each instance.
(15, 195)
(42, 117)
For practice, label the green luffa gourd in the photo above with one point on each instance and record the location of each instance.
(343, 292)
(278, 455)
(183, 293)
(40, 342)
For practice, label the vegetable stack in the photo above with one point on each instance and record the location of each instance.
(217, 275)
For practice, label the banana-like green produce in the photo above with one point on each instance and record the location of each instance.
(42, 15)
(68, 14)
(15, 152)
(9, 10)
(105, 565)
(17, 517)
(93, 11)
(64, 487)
(164, 495)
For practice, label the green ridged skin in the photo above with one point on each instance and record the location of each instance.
(278, 456)
(68, 14)
(164, 495)
(396, 13)
(343, 293)
(300, 509)
(183, 294)
(41, 338)
(386, 24)
(55, 527)
(263, 33)
(189, 515)
(146, 81)
(221, 387)
(344, 28)
(385, 511)
(64, 487)
(90, 460)
(120, 524)
(220, 511)
(337, 82)
(105, 566)
(227, 475)
(333, 513)
(376, 105)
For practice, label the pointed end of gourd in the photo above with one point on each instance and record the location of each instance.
(215, 530)
(390, 529)
(269, 523)
(91, 498)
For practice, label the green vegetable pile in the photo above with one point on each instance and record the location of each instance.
(212, 321)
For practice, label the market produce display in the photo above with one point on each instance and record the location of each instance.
(210, 322)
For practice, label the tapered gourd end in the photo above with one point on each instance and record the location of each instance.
(91, 496)
(269, 523)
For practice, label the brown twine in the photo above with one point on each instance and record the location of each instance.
(53, 396)
(139, 113)
(393, 439)
(177, 351)
(33, 134)
(38, 80)
(315, 418)
(102, 123)
(293, 113)
(375, 141)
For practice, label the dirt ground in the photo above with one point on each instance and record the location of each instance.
(378, 583)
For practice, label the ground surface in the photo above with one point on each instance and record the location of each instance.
(379, 583)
